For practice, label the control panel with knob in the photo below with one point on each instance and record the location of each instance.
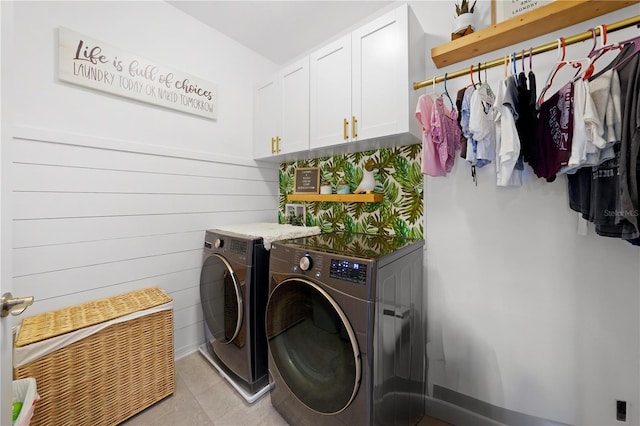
(305, 262)
(219, 243)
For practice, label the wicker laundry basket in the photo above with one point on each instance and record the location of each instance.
(105, 376)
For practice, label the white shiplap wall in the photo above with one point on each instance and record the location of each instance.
(110, 195)
(90, 222)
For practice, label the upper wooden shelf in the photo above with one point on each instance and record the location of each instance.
(543, 20)
(346, 198)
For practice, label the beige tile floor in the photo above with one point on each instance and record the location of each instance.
(204, 398)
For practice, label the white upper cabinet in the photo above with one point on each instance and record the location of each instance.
(361, 84)
(281, 112)
(266, 118)
(331, 94)
(294, 130)
(353, 94)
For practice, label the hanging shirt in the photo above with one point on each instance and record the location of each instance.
(605, 93)
(610, 196)
(526, 121)
(592, 191)
(584, 116)
(481, 124)
(511, 101)
(431, 164)
(606, 128)
(597, 191)
(472, 144)
(555, 130)
(463, 139)
(445, 133)
(507, 139)
(629, 73)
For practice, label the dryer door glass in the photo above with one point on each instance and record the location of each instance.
(313, 345)
(221, 297)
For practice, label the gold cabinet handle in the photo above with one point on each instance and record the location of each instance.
(277, 143)
(344, 129)
(273, 140)
(354, 133)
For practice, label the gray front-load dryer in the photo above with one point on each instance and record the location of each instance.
(233, 293)
(344, 330)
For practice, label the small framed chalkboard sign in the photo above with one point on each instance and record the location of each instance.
(306, 180)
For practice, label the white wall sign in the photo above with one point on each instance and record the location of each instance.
(91, 63)
(502, 10)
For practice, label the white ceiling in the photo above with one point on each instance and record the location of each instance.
(280, 30)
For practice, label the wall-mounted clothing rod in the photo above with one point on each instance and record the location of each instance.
(625, 23)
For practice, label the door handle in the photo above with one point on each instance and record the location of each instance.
(345, 123)
(354, 122)
(14, 305)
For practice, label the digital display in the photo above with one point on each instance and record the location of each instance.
(238, 247)
(348, 271)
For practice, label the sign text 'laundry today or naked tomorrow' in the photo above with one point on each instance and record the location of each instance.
(91, 63)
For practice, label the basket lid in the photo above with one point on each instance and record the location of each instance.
(66, 320)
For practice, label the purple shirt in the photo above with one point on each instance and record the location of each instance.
(555, 132)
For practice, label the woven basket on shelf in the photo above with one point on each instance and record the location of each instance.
(109, 376)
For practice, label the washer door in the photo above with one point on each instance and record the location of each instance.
(313, 345)
(221, 297)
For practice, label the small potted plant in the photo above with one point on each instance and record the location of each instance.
(463, 7)
(464, 21)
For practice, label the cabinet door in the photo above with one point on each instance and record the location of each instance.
(380, 76)
(266, 118)
(294, 83)
(330, 95)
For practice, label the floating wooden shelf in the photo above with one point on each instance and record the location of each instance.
(344, 198)
(543, 20)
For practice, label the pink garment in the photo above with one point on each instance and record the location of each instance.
(445, 133)
(431, 164)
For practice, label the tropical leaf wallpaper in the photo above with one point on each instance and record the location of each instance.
(398, 176)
